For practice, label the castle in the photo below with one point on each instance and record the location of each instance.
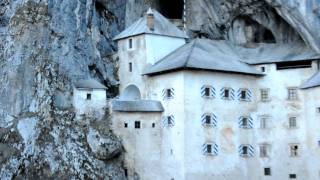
(209, 109)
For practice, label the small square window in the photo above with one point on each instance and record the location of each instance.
(245, 151)
(125, 125)
(292, 176)
(243, 94)
(226, 93)
(208, 119)
(292, 94)
(267, 171)
(209, 148)
(292, 122)
(137, 124)
(207, 91)
(89, 96)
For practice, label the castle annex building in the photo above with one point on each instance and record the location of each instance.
(209, 109)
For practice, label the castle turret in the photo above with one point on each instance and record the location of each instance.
(142, 44)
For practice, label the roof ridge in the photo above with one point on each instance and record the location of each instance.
(189, 55)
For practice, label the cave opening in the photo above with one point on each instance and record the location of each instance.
(254, 32)
(100, 7)
(171, 9)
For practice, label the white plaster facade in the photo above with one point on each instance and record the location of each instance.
(89, 105)
(158, 151)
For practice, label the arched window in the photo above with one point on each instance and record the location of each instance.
(131, 93)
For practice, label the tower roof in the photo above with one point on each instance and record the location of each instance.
(89, 84)
(314, 81)
(162, 26)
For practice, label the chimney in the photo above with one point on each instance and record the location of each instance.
(150, 19)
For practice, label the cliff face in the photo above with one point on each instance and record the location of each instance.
(285, 21)
(46, 45)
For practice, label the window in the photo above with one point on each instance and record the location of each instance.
(125, 125)
(246, 122)
(153, 125)
(168, 93)
(318, 110)
(227, 93)
(130, 43)
(264, 122)
(246, 150)
(130, 66)
(244, 95)
(209, 120)
(294, 65)
(89, 96)
(264, 150)
(207, 91)
(267, 171)
(264, 93)
(168, 121)
(137, 124)
(210, 149)
(126, 172)
(263, 69)
(294, 150)
(292, 176)
(292, 122)
(292, 94)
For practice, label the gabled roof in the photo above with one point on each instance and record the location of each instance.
(137, 106)
(162, 26)
(203, 54)
(89, 84)
(314, 81)
(272, 53)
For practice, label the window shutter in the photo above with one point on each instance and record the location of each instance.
(240, 122)
(250, 122)
(215, 149)
(222, 93)
(251, 151)
(172, 92)
(240, 150)
(249, 95)
(239, 94)
(232, 94)
(204, 149)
